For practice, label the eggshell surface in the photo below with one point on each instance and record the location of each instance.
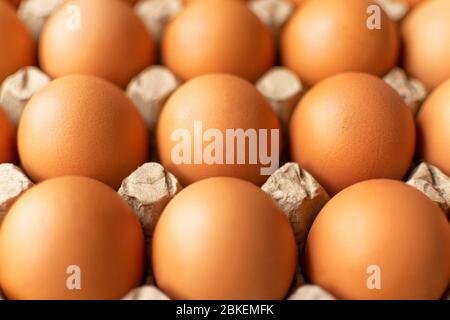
(67, 224)
(7, 139)
(104, 38)
(326, 37)
(433, 124)
(380, 239)
(219, 102)
(352, 127)
(223, 238)
(217, 36)
(426, 34)
(82, 125)
(17, 48)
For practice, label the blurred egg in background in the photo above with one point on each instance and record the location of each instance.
(103, 38)
(326, 37)
(217, 36)
(17, 47)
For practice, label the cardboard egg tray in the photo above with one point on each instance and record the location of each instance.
(148, 189)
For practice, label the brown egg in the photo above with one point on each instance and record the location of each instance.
(326, 37)
(217, 36)
(426, 35)
(380, 239)
(17, 48)
(433, 124)
(104, 38)
(7, 139)
(223, 238)
(352, 127)
(82, 125)
(70, 238)
(193, 132)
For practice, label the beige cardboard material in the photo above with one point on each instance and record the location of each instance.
(34, 13)
(13, 182)
(395, 9)
(156, 13)
(310, 292)
(146, 293)
(18, 89)
(300, 197)
(273, 13)
(411, 90)
(149, 91)
(148, 190)
(283, 89)
(434, 183)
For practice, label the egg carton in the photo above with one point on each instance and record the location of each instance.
(151, 187)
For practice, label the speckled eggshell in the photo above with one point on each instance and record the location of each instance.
(7, 139)
(433, 124)
(64, 222)
(352, 127)
(111, 41)
(82, 125)
(380, 230)
(426, 37)
(17, 47)
(218, 101)
(223, 238)
(326, 37)
(217, 36)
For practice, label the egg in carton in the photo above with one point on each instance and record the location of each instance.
(274, 99)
